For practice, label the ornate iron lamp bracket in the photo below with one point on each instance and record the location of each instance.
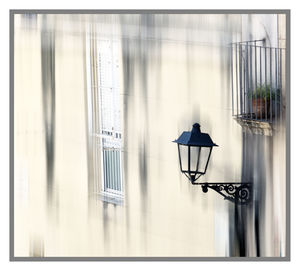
(238, 193)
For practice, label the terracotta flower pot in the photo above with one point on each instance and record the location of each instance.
(260, 107)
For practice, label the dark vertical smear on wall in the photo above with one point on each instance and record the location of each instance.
(48, 96)
(240, 217)
(143, 171)
(30, 21)
(157, 66)
(144, 54)
(128, 79)
(127, 85)
(36, 246)
(238, 243)
(260, 184)
(239, 230)
(145, 51)
(234, 246)
(237, 236)
(249, 219)
(246, 176)
(156, 70)
(256, 228)
(157, 57)
(105, 224)
(259, 187)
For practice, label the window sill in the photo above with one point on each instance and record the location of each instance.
(113, 199)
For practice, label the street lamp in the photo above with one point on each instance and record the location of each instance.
(194, 151)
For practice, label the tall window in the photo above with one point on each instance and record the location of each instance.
(105, 115)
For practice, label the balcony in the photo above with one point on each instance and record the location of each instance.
(257, 85)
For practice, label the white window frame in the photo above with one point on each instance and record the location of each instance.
(102, 134)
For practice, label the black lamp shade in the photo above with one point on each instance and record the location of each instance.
(194, 150)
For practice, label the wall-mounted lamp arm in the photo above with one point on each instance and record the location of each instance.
(239, 193)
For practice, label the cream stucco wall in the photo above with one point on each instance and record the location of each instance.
(175, 71)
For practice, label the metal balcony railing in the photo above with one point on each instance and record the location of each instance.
(256, 81)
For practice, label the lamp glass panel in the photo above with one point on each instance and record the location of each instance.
(203, 158)
(184, 157)
(195, 153)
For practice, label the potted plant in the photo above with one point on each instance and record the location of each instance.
(261, 101)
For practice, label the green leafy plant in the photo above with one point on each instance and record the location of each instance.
(265, 92)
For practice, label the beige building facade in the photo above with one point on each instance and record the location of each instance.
(98, 100)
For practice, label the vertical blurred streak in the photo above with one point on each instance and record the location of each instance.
(36, 247)
(91, 84)
(87, 44)
(128, 78)
(247, 167)
(145, 49)
(250, 220)
(256, 228)
(48, 96)
(242, 225)
(29, 21)
(157, 55)
(241, 222)
(105, 225)
(143, 171)
(260, 181)
(146, 53)
(240, 229)
(240, 245)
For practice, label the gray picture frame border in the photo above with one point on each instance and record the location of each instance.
(13, 12)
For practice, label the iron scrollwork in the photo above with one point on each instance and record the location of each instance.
(239, 193)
